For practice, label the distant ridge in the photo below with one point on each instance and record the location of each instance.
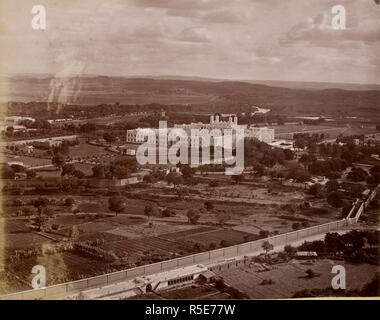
(306, 85)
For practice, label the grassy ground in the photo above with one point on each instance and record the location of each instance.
(290, 278)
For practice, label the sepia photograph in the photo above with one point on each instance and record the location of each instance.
(192, 150)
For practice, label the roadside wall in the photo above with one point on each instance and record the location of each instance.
(202, 258)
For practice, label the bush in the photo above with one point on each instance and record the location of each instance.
(264, 233)
(224, 243)
(289, 250)
(219, 284)
(212, 246)
(296, 226)
(335, 199)
(310, 273)
(167, 212)
(69, 201)
(266, 282)
(208, 205)
(213, 183)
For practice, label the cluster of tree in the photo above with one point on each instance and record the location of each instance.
(357, 174)
(303, 140)
(69, 169)
(10, 171)
(258, 152)
(119, 169)
(269, 119)
(330, 168)
(335, 199)
(347, 243)
(298, 173)
(64, 147)
(108, 137)
(350, 139)
(350, 152)
(374, 175)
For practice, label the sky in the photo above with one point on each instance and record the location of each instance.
(241, 39)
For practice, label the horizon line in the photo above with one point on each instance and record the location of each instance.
(200, 78)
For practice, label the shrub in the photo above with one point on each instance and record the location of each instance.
(310, 273)
(296, 226)
(69, 201)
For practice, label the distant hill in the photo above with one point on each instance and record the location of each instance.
(209, 94)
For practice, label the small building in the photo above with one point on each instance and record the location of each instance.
(306, 255)
(143, 284)
(207, 276)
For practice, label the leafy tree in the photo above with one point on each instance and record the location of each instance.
(357, 174)
(9, 131)
(332, 185)
(68, 169)
(40, 204)
(315, 189)
(149, 178)
(298, 174)
(208, 205)
(212, 245)
(187, 171)
(117, 204)
(289, 155)
(296, 226)
(264, 233)
(167, 212)
(335, 199)
(79, 174)
(148, 210)
(260, 170)
(267, 246)
(193, 216)
(119, 172)
(31, 174)
(109, 137)
(98, 171)
(7, 172)
(310, 273)
(58, 160)
(289, 250)
(174, 178)
(333, 242)
(69, 201)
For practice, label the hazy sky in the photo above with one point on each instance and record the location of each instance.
(235, 39)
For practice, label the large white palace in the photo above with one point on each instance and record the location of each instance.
(216, 122)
